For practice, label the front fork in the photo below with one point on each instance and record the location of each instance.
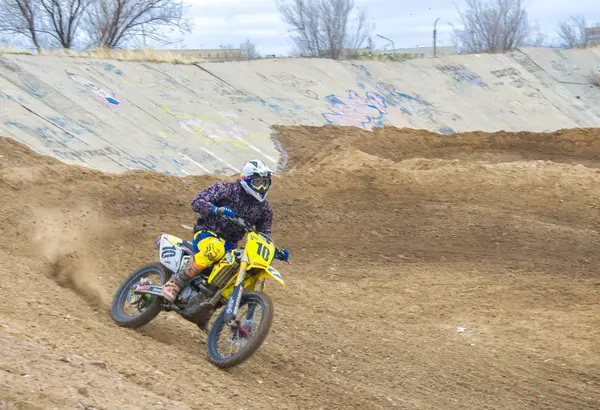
(233, 303)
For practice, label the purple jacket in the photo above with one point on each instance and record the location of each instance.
(232, 195)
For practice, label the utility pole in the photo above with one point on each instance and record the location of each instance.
(435, 37)
(393, 46)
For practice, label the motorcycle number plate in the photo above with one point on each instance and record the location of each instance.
(170, 255)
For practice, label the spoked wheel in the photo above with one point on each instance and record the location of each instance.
(143, 307)
(228, 346)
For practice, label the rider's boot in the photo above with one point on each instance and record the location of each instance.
(178, 281)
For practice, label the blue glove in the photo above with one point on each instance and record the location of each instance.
(223, 210)
(283, 254)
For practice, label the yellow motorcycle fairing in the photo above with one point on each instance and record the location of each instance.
(258, 255)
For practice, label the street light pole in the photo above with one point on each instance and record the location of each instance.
(435, 37)
(393, 46)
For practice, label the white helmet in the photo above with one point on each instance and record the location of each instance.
(256, 179)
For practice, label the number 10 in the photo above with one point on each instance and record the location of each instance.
(263, 251)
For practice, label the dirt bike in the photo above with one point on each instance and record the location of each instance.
(236, 281)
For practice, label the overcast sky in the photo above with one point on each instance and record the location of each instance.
(408, 23)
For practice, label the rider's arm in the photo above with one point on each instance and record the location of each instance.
(204, 201)
(264, 224)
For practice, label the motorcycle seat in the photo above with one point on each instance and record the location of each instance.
(189, 246)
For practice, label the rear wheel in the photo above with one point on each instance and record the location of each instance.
(147, 306)
(245, 336)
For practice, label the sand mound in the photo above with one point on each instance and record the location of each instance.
(398, 238)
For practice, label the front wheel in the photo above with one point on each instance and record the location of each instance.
(147, 306)
(245, 334)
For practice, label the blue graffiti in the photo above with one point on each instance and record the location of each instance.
(445, 131)
(86, 126)
(142, 163)
(74, 127)
(151, 163)
(276, 104)
(163, 141)
(33, 89)
(61, 122)
(363, 76)
(51, 134)
(112, 100)
(394, 96)
(110, 67)
(356, 111)
(16, 125)
(461, 74)
(10, 97)
(48, 135)
(62, 132)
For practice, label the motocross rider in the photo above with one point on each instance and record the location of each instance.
(213, 234)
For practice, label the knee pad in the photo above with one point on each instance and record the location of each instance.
(210, 251)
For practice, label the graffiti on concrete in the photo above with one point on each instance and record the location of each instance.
(288, 80)
(33, 89)
(276, 104)
(154, 164)
(73, 127)
(310, 94)
(63, 142)
(60, 121)
(505, 72)
(462, 75)
(418, 111)
(222, 88)
(363, 76)
(563, 67)
(9, 97)
(82, 155)
(406, 103)
(148, 162)
(49, 137)
(283, 107)
(29, 62)
(54, 134)
(113, 69)
(356, 111)
(210, 129)
(445, 131)
(217, 129)
(99, 94)
(514, 76)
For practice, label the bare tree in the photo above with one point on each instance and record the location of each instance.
(323, 27)
(537, 39)
(303, 16)
(370, 43)
(116, 23)
(357, 32)
(493, 26)
(62, 19)
(249, 49)
(572, 31)
(20, 17)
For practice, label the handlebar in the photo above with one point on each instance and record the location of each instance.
(248, 228)
(241, 223)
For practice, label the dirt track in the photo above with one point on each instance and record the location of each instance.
(398, 238)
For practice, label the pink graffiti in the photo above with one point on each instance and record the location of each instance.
(356, 111)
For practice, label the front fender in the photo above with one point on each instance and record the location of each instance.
(273, 273)
(251, 282)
